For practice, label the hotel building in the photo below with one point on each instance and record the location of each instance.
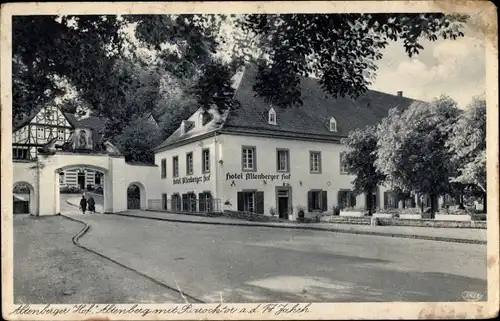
(260, 158)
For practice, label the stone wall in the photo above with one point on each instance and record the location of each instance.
(430, 223)
(402, 222)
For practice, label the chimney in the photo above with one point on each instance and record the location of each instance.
(400, 94)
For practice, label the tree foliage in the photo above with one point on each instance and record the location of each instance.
(341, 50)
(467, 143)
(360, 159)
(412, 150)
(137, 141)
(79, 48)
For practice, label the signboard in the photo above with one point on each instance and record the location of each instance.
(261, 176)
(190, 179)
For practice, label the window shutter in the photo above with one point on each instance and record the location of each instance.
(254, 159)
(324, 201)
(386, 200)
(259, 203)
(277, 160)
(352, 197)
(164, 201)
(201, 200)
(241, 202)
(309, 201)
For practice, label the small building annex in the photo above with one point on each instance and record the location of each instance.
(261, 158)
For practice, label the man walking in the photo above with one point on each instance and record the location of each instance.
(91, 203)
(83, 204)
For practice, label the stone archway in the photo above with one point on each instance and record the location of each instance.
(24, 198)
(101, 193)
(136, 196)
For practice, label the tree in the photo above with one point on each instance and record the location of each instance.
(137, 140)
(340, 49)
(412, 150)
(467, 144)
(360, 159)
(214, 87)
(79, 48)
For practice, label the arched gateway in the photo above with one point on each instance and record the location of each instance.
(43, 178)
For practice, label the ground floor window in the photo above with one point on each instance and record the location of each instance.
(205, 202)
(251, 201)
(346, 199)
(317, 201)
(176, 203)
(189, 202)
(20, 153)
(390, 200)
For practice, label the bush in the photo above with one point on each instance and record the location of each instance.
(335, 210)
(272, 211)
(99, 190)
(90, 188)
(411, 210)
(354, 209)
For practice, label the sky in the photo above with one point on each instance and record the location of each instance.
(455, 68)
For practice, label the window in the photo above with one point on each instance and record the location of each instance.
(189, 163)
(175, 166)
(61, 178)
(189, 202)
(315, 162)
(176, 203)
(346, 199)
(344, 168)
(98, 177)
(251, 201)
(60, 134)
(283, 157)
(205, 201)
(333, 125)
(39, 132)
(248, 159)
(390, 200)
(317, 201)
(272, 117)
(205, 163)
(163, 168)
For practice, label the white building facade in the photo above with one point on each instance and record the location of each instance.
(270, 160)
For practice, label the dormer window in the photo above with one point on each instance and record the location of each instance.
(272, 117)
(183, 128)
(333, 125)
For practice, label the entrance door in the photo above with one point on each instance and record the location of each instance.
(283, 203)
(283, 207)
(81, 180)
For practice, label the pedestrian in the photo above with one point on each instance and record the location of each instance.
(91, 203)
(83, 204)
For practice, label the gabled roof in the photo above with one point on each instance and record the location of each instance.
(311, 121)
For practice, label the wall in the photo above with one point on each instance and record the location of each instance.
(118, 175)
(205, 181)
(330, 178)
(26, 173)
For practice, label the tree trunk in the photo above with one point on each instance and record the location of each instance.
(370, 203)
(461, 201)
(433, 206)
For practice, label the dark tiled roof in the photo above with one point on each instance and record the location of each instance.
(309, 121)
(312, 118)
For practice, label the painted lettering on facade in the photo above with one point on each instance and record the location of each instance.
(195, 180)
(251, 176)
